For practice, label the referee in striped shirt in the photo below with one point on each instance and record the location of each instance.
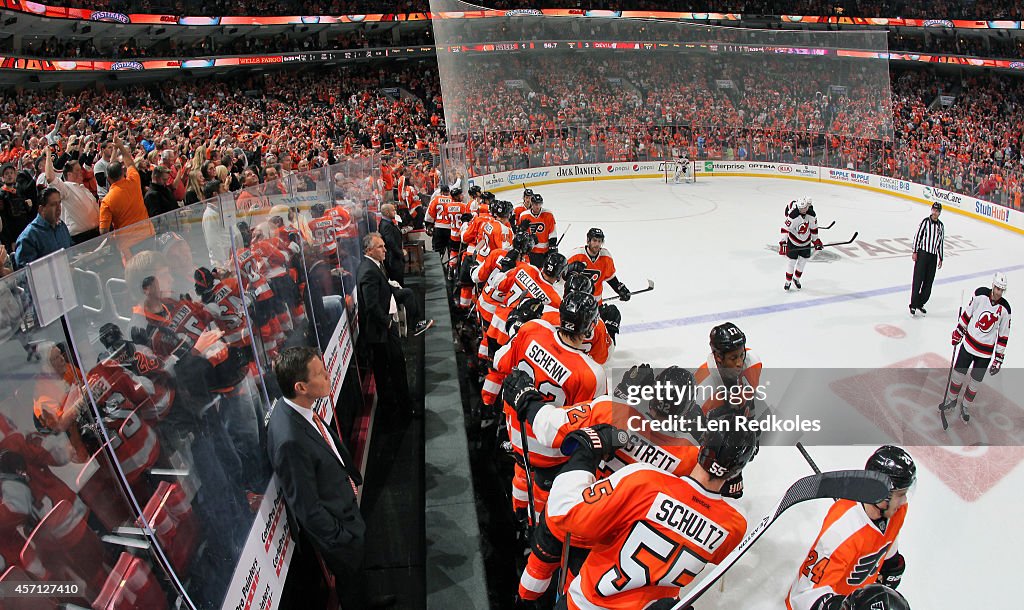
(927, 258)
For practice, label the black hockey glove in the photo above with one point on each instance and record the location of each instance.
(429, 228)
(997, 365)
(519, 392)
(588, 446)
(509, 260)
(892, 570)
(624, 294)
(633, 381)
(829, 602)
(733, 488)
(612, 317)
(666, 603)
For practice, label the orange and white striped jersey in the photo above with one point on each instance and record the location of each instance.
(486, 234)
(437, 211)
(710, 386)
(673, 454)
(846, 555)
(522, 281)
(562, 373)
(488, 274)
(599, 269)
(543, 228)
(650, 533)
(454, 212)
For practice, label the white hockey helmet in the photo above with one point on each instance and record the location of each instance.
(803, 204)
(999, 280)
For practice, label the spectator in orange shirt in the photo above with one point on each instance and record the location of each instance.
(123, 206)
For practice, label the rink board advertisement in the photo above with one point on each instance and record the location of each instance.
(262, 566)
(965, 204)
(337, 356)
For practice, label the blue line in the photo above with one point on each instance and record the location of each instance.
(780, 307)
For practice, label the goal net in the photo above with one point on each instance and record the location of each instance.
(680, 171)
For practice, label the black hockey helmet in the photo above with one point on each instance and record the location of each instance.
(682, 383)
(536, 198)
(725, 449)
(317, 210)
(573, 268)
(524, 241)
(554, 264)
(445, 189)
(489, 196)
(245, 232)
(527, 193)
(456, 194)
(638, 376)
(474, 191)
(875, 597)
(595, 233)
(111, 336)
(204, 280)
(578, 282)
(501, 209)
(527, 309)
(578, 313)
(896, 463)
(726, 338)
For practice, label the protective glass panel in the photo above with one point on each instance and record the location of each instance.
(509, 71)
(67, 516)
(169, 365)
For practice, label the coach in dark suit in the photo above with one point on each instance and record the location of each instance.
(317, 474)
(394, 258)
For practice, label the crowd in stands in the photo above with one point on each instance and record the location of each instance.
(978, 9)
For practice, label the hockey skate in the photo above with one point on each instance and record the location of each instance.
(796, 283)
(965, 414)
(786, 287)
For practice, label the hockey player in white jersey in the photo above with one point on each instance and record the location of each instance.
(984, 329)
(799, 235)
(682, 168)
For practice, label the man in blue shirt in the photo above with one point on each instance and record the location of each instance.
(46, 234)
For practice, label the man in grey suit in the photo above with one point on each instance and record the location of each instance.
(317, 474)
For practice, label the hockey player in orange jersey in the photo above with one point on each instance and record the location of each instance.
(600, 344)
(562, 373)
(542, 223)
(672, 452)
(731, 374)
(598, 265)
(857, 545)
(522, 206)
(650, 533)
(522, 281)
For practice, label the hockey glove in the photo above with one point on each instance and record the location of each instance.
(829, 602)
(509, 260)
(624, 294)
(666, 603)
(957, 336)
(818, 245)
(429, 228)
(892, 569)
(466, 217)
(733, 488)
(588, 446)
(997, 365)
(518, 391)
(782, 248)
(612, 317)
(633, 381)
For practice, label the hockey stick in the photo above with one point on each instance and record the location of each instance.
(842, 243)
(807, 456)
(857, 485)
(529, 477)
(650, 287)
(949, 377)
(830, 225)
(559, 242)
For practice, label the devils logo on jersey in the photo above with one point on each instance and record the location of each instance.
(986, 321)
(866, 566)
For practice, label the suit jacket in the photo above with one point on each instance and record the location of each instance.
(320, 501)
(394, 260)
(374, 302)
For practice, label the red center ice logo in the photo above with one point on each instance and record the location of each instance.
(986, 321)
(902, 400)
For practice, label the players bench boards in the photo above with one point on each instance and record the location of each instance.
(676, 172)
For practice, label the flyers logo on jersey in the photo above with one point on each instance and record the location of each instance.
(866, 566)
(558, 372)
(986, 321)
(536, 227)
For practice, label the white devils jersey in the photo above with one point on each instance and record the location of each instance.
(985, 325)
(799, 228)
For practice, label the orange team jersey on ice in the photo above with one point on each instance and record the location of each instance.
(454, 212)
(470, 231)
(846, 555)
(650, 533)
(711, 386)
(518, 211)
(562, 373)
(488, 274)
(437, 211)
(490, 234)
(598, 345)
(599, 269)
(673, 454)
(522, 281)
(543, 227)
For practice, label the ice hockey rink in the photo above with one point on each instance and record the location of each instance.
(711, 249)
